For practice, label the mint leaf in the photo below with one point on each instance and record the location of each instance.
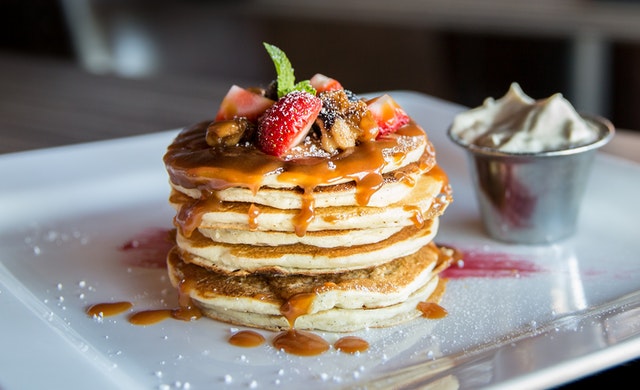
(304, 85)
(284, 70)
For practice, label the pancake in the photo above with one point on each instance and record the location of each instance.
(300, 258)
(320, 239)
(192, 163)
(427, 199)
(394, 187)
(373, 297)
(318, 201)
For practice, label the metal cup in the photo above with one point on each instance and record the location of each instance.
(532, 198)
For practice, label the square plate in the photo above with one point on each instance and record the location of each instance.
(518, 315)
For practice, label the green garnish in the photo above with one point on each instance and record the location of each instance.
(286, 79)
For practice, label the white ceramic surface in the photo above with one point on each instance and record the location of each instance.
(538, 316)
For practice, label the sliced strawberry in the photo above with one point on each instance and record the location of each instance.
(287, 122)
(323, 83)
(388, 114)
(239, 102)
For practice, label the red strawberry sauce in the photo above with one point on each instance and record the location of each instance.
(149, 248)
(477, 263)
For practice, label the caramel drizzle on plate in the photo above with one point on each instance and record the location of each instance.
(290, 340)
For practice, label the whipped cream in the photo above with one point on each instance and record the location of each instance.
(516, 123)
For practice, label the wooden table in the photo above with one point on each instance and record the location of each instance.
(46, 103)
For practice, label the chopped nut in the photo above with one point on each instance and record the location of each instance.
(343, 134)
(229, 132)
(344, 121)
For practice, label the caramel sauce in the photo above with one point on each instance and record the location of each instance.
(417, 216)
(306, 214)
(351, 344)
(432, 310)
(332, 218)
(186, 310)
(194, 164)
(301, 343)
(367, 186)
(149, 317)
(189, 217)
(446, 257)
(294, 341)
(404, 178)
(455, 254)
(296, 306)
(186, 313)
(254, 212)
(108, 309)
(246, 339)
(439, 174)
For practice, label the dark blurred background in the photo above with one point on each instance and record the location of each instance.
(458, 50)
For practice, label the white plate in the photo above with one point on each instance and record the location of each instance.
(536, 316)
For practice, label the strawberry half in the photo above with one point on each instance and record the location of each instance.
(286, 123)
(322, 83)
(388, 114)
(239, 102)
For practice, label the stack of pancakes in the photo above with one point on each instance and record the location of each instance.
(343, 242)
